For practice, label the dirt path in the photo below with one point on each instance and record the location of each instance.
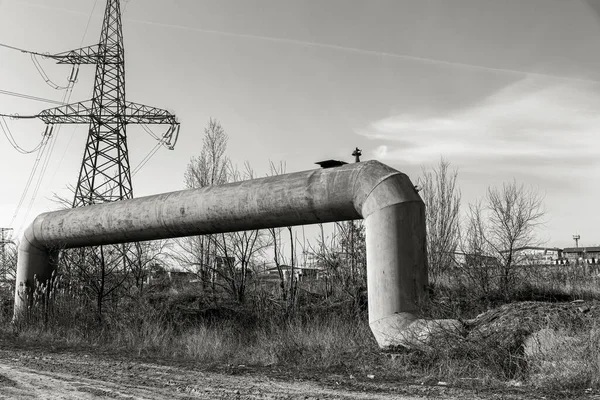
(28, 373)
(167, 383)
(72, 377)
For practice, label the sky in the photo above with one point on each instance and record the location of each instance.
(502, 89)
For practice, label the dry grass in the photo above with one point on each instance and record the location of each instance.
(337, 339)
(565, 359)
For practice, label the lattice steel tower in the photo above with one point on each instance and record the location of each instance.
(105, 174)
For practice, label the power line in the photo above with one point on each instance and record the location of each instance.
(87, 27)
(35, 53)
(125, 6)
(149, 132)
(106, 152)
(19, 49)
(54, 139)
(27, 97)
(28, 184)
(45, 152)
(42, 147)
(146, 159)
(44, 75)
(11, 139)
(168, 140)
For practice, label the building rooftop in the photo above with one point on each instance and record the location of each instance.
(299, 267)
(533, 248)
(581, 249)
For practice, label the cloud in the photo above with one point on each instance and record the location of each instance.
(535, 122)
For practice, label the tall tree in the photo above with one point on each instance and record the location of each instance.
(497, 228)
(515, 211)
(211, 167)
(8, 261)
(101, 271)
(287, 284)
(142, 258)
(479, 265)
(239, 250)
(442, 213)
(221, 260)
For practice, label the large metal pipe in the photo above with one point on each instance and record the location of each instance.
(384, 197)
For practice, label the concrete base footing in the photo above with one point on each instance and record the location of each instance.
(403, 330)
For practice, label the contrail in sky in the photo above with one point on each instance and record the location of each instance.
(361, 51)
(337, 47)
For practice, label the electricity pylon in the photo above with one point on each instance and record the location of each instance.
(3, 243)
(105, 174)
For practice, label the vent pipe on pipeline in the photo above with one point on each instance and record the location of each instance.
(394, 227)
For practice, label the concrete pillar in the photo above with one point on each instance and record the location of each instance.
(396, 280)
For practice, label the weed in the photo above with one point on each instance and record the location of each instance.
(332, 335)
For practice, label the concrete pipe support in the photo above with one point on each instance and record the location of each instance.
(384, 197)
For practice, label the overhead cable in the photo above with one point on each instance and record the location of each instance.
(146, 159)
(46, 162)
(161, 142)
(87, 27)
(11, 139)
(44, 75)
(28, 97)
(22, 50)
(28, 184)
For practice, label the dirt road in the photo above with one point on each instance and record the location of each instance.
(68, 378)
(27, 373)
(158, 383)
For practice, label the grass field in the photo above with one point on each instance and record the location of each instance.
(534, 337)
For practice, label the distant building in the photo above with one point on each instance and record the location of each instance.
(180, 277)
(527, 255)
(588, 255)
(472, 259)
(173, 277)
(218, 266)
(300, 272)
(535, 255)
(224, 262)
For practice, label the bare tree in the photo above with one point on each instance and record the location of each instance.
(515, 211)
(286, 285)
(221, 260)
(101, 271)
(211, 167)
(341, 253)
(479, 265)
(142, 258)
(8, 261)
(442, 213)
(496, 229)
(239, 252)
(352, 247)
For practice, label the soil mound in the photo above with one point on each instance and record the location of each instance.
(511, 324)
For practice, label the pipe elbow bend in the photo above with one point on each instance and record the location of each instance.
(29, 241)
(379, 186)
(34, 260)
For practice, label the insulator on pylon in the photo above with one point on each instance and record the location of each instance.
(74, 74)
(49, 129)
